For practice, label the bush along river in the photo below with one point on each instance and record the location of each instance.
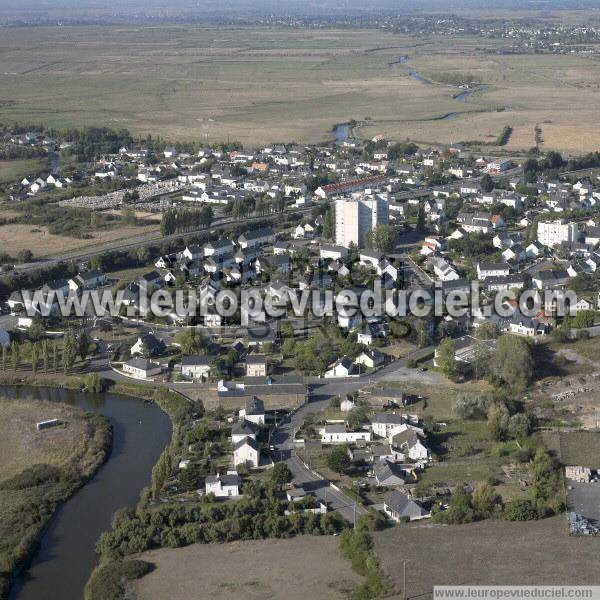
(65, 556)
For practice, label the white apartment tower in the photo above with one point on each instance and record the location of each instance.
(355, 216)
(554, 233)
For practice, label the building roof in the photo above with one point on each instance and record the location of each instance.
(388, 418)
(403, 505)
(244, 427)
(196, 360)
(142, 363)
(255, 406)
(247, 441)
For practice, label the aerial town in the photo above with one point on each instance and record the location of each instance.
(369, 360)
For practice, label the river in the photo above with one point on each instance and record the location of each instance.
(65, 557)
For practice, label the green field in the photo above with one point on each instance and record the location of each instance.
(15, 170)
(262, 85)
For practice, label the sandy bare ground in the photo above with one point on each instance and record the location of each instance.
(301, 568)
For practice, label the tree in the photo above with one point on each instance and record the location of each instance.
(520, 509)
(329, 224)
(485, 500)
(45, 352)
(82, 344)
(381, 238)
(24, 256)
(191, 341)
(337, 459)
(280, 474)
(34, 358)
(15, 352)
(446, 360)
(498, 420)
(55, 356)
(519, 426)
(512, 363)
(487, 183)
(37, 329)
(69, 353)
(421, 227)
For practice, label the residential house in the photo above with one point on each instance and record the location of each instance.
(254, 411)
(256, 365)
(141, 368)
(246, 452)
(243, 429)
(223, 486)
(147, 345)
(338, 434)
(196, 367)
(400, 507)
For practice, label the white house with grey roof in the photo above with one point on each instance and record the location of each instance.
(196, 367)
(254, 411)
(399, 506)
(223, 486)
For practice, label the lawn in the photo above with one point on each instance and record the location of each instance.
(294, 569)
(487, 553)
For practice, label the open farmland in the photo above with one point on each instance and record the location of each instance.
(19, 236)
(294, 569)
(487, 553)
(260, 85)
(22, 446)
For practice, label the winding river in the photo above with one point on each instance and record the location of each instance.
(65, 557)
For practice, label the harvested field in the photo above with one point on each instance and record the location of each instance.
(487, 553)
(17, 237)
(283, 84)
(295, 569)
(22, 446)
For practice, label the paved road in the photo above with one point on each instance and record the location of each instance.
(322, 390)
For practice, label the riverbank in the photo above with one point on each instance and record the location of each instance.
(56, 462)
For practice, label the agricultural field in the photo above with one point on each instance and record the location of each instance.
(19, 236)
(487, 553)
(294, 569)
(22, 446)
(15, 170)
(262, 85)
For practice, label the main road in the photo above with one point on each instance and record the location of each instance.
(321, 392)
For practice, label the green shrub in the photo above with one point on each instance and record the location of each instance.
(108, 581)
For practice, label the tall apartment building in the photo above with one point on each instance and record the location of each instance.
(554, 233)
(355, 216)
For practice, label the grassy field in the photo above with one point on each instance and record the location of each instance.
(294, 569)
(487, 553)
(21, 445)
(260, 85)
(15, 170)
(580, 448)
(15, 237)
